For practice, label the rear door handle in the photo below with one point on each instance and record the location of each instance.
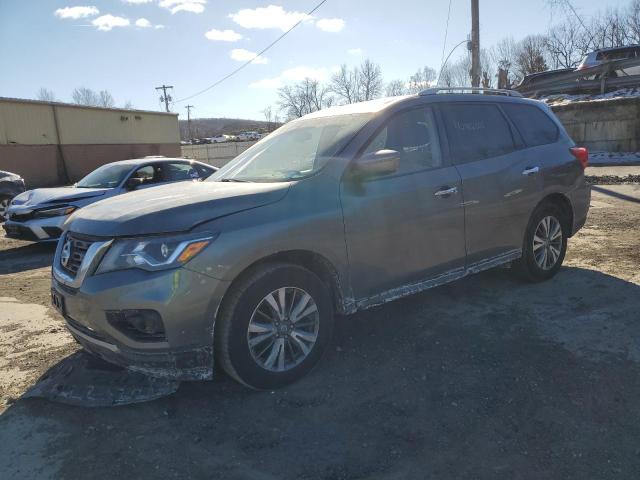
(446, 191)
(530, 171)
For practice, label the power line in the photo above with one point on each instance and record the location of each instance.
(189, 107)
(446, 33)
(232, 73)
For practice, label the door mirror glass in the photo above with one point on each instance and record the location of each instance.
(134, 182)
(381, 162)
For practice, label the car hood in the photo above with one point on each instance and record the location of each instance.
(39, 196)
(9, 177)
(172, 208)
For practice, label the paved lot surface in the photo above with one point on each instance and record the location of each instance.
(487, 378)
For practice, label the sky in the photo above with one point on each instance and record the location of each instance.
(129, 47)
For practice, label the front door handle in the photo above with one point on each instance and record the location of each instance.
(446, 191)
(530, 171)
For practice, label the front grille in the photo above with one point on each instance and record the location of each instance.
(78, 249)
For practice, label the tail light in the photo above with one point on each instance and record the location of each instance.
(581, 154)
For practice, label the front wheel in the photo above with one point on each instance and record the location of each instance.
(4, 205)
(545, 244)
(274, 326)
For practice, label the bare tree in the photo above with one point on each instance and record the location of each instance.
(531, 55)
(566, 44)
(85, 96)
(305, 97)
(128, 104)
(46, 95)
(345, 84)
(395, 88)
(505, 54)
(268, 116)
(105, 99)
(370, 80)
(422, 79)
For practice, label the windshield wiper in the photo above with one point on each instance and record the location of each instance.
(233, 180)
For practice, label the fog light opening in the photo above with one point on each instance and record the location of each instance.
(140, 325)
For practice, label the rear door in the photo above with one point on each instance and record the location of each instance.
(500, 179)
(402, 228)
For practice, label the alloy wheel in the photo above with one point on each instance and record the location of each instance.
(547, 242)
(283, 329)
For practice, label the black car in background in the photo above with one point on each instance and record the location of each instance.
(10, 186)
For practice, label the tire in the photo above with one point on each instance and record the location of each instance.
(4, 204)
(543, 261)
(246, 313)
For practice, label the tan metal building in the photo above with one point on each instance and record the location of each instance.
(51, 143)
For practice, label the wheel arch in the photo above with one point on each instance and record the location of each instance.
(564, 204)
(312, 261)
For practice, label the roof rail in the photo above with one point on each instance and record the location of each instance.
(481, 90)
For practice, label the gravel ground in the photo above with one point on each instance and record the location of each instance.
(486, 378)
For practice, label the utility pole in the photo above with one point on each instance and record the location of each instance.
(475, 43)
(164, 97)
(189, 107)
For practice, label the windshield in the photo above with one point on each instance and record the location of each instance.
(294, 151)
(107, 176)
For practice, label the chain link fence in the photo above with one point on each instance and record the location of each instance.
(216, 154)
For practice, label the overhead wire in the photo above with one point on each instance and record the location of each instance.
(246, 64)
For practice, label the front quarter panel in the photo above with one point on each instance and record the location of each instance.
(307, 219)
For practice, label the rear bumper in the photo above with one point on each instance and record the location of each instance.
(36, 230)
(580, 201)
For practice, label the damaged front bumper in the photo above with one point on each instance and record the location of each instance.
(185, 301)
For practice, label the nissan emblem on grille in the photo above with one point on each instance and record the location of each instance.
(65, 254)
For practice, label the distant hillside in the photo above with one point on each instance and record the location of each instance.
(209, 127)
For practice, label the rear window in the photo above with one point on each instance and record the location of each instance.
(477, 131)
(534, 125)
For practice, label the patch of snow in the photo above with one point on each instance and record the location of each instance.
(565, 98)
(614, 158)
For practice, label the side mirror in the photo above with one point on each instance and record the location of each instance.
(378, 163)
(134, 182)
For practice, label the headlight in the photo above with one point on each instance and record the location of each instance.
(153, 253)
(54, 212)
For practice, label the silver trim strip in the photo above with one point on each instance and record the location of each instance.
(89, 262)
(89, 339)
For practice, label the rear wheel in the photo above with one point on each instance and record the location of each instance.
(274, 326)
(4, 204)
(545, 244)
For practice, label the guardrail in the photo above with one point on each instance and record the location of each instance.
(216, 154)
(599, 79)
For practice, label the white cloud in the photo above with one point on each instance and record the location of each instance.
(330, 24)
(272, 16)
(76, 12)
(242, 55)
(175, 6)
(292, 75)
(223, 35)
(107, 22)
(137, 2)
(158, 27)
(355, 51)
(143, 23)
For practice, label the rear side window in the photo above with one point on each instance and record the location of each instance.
(477, 131)
(534, 125)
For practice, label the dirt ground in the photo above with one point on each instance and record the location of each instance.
(486, 378)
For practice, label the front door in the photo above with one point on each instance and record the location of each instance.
(408, 226)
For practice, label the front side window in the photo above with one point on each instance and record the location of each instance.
(414, 135)
(476, 131)
(148, 174)
(176, 172)
(534, 125)
(294, 151)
